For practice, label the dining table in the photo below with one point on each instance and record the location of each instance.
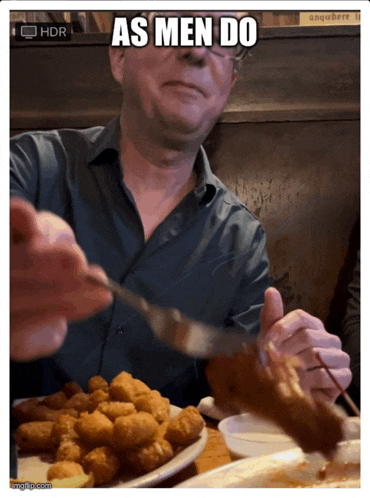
(215, 454)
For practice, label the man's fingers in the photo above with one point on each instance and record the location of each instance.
(100, 295)
(31, 339)
(299, 327)
(97, 271)
(333, 358)
(55, 228)
(319, 379)
(296, 342)
(23, 225)
(272, 311)
(326, 395)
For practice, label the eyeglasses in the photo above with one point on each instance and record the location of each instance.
(235, 53)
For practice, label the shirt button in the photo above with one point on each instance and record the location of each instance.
(119, 330)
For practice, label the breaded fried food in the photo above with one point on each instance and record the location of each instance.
(140, 388)
(152, 402)
(41, 413)
(79, 402)
(61, 470)
(95, 398)
(95, 429)
(64, 411)
(134, 430)
(185, 427)
(23, 411)
(114, 409)
(71, 388)
(36, 436)
(56, 400)
(147, 458)
(64, 428)
(122, 387)
(73, 451)
(103, 463)
(96, 383)
(163, 429)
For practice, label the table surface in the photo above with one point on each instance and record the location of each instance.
(215, 454)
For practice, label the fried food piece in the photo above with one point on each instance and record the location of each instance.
(72, 451)
(122, 387)
(274, 393)
(96, 383)
(152, 402)
(95, 429)
(147, 458)
(36, 436)
(114, 409)
(41, 413)
(71, 388)
(61, 470)
(80, 481)
(163, 429)
(56, 400)
(185, 427)
(79, 402)
(23, 411)
(64, 411)
(140, 388)
(103, 463)
(134, 430)
(97, 397)
(64, 428)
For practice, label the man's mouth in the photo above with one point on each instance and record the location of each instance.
(182, 84)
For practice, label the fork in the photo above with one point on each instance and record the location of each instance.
(172, 327)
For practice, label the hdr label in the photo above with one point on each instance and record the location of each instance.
(42, 31)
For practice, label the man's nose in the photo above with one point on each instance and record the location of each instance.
(196, 56)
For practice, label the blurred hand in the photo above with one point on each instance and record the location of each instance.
(47, 288)
(300, 334)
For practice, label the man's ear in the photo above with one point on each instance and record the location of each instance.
(116, 57)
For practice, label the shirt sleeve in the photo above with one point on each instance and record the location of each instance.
(24, 167)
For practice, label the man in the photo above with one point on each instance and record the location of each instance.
(138, 199)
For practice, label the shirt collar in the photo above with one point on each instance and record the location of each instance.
(106, 145)
(106, 149)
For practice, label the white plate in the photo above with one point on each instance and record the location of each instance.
(34, 469)
(252, 472)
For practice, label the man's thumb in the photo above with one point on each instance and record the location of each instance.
(272, 311)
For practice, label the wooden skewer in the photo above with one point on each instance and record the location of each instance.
(343, 392)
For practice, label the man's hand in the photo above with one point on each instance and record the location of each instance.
(300, 334)
(47, 288)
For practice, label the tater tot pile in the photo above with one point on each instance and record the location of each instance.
(122, 427)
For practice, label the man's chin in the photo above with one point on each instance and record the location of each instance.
(184, 130)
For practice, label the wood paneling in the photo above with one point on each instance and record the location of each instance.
(302, 180)
(290, 75)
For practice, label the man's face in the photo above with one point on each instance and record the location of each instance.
(173, 91)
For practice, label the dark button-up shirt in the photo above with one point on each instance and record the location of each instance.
(207, 258)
